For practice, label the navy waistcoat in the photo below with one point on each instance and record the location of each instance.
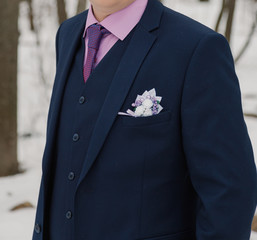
(81, 104)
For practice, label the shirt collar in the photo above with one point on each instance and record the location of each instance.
(121, 22)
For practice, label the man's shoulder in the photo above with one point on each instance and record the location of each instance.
(72, 22)
(174, 22)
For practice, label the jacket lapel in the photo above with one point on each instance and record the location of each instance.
(136, 51)
(67, 50)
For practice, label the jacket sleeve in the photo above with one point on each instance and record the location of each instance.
(57, 46)
(216, 143)
(57, 39)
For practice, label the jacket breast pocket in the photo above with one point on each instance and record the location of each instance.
(162, 117)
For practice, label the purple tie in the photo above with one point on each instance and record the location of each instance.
(95, 33)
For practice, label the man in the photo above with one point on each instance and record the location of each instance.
(146, 137)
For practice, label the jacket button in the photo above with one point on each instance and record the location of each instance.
(81, 99)
(68, 215)
(37, 228)
(71, 176)
(75, 137)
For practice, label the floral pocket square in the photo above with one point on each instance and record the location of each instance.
(147, 104)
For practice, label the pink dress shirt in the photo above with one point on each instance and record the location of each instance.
(119, 24)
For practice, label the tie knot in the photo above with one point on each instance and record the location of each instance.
(95, 34)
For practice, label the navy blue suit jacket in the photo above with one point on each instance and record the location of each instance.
(187, 173)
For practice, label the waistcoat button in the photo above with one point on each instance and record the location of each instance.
(71, 176)
(81, 99)
(75, 137)
(68, 215)
(37, 228)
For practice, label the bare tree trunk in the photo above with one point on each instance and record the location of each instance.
(62, 15)
(31, 15)
(231, 10)
(81, 6)
(9, 11)
(220, 15)
(228, 7)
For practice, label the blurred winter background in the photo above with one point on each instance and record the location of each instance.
(28, 28)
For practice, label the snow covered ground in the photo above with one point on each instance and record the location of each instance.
(35, 79)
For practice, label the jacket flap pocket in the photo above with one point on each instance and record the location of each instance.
(182, 235)
(141, 121)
